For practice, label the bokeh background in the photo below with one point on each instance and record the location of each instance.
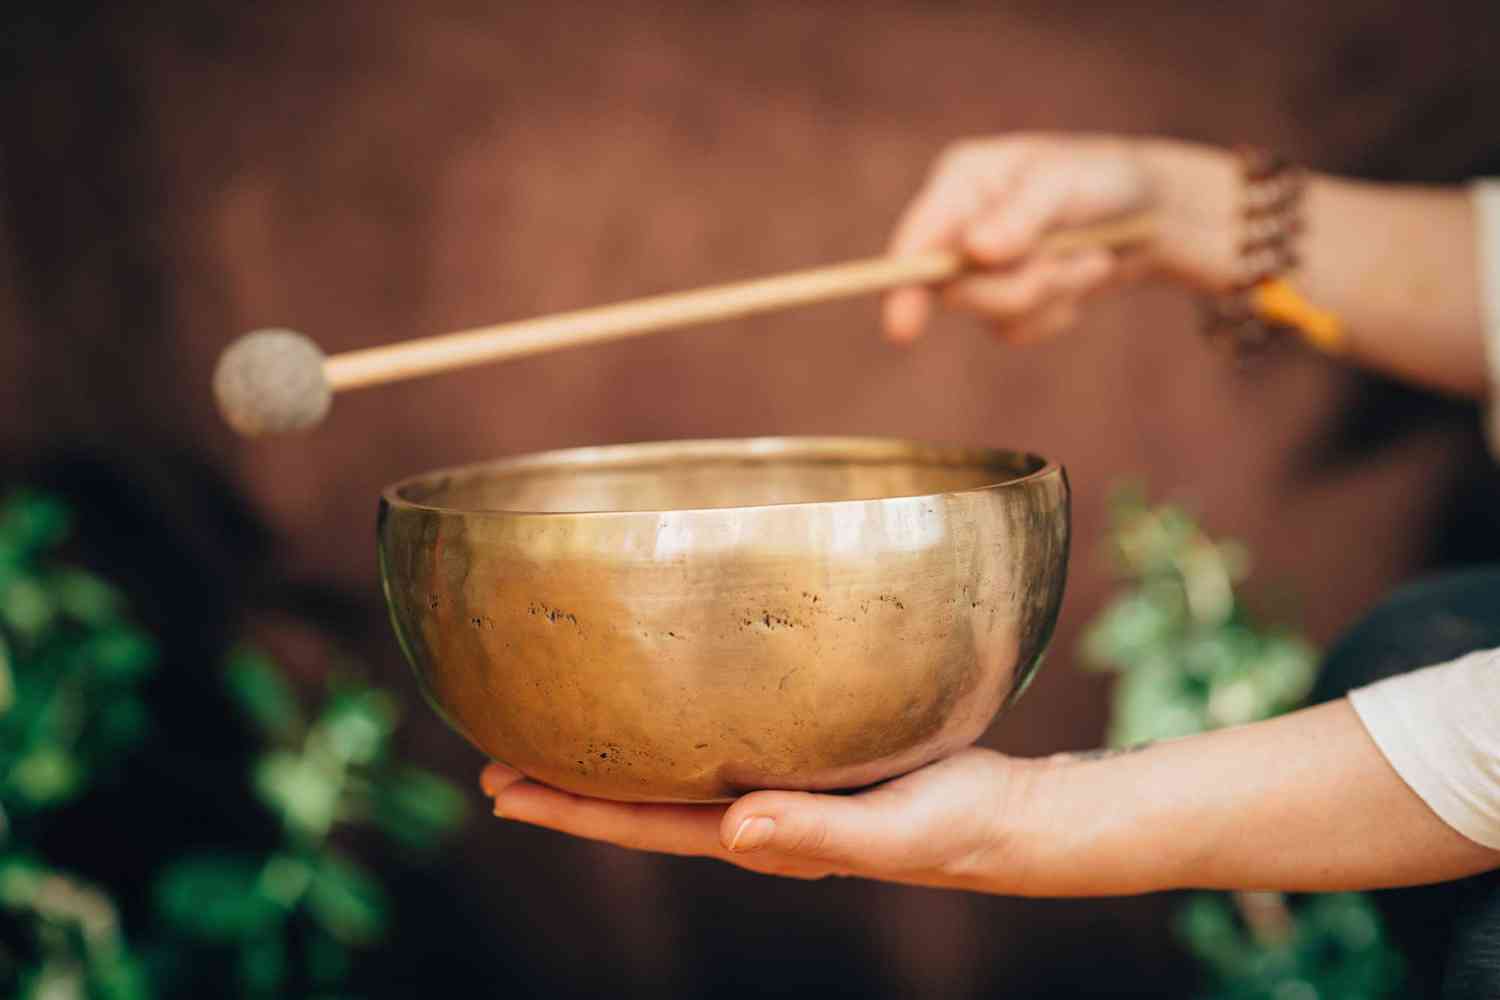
(371, 171)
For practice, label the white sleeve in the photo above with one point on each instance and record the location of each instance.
(1440, 729)
(1486, 196)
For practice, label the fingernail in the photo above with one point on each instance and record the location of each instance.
(753, 832)
(499, 813)
(494, 779)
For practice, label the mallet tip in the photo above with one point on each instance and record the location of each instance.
(272, 381)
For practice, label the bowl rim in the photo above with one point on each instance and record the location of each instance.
(626, 454)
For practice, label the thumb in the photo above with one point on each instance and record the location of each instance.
(905, 313)
(837, 830)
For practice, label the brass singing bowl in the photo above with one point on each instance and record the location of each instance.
(688, 621)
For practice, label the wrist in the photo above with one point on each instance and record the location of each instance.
(1100, 824)
(1196, 193)
(1056, 834)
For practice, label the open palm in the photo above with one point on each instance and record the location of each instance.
(938, 826)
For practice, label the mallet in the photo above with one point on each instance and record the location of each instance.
(271, 381)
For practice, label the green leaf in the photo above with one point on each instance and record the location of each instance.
(1285, 671)
(262, 965)
(116, 974)
(1349, 919)
(303, 793)
(45, 776)
(1132, 627)
(45, 713)
(1234, 701)
(284, 878)
(20, 880)
(31, 522)
(1155, 701)
(1218, 653)
(120, 655)
(7, 678)
(418, 808)
(1208, 926)
(54, 980)
(327, 959)
(85, 598)
(26, 606)
(257, 686)
(347, 902)
(123, 722)
(217, 897)
(358, 724)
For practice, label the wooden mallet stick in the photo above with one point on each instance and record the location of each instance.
(271, 381)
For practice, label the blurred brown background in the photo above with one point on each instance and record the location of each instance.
(371, 171)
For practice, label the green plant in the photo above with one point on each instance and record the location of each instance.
(72, 712)
(1190, 657)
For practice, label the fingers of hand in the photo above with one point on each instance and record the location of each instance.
(1014, 296)
(663, 829)
(497, 777)
(905, 314)
(1046, 323)
(1060, 186)
(835, 831)
(667, 829)
(964, 181)
(909, 829)
(1007, 229)
(919, 828)
(996, 202)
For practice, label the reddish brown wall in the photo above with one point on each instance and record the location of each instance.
(372, 171)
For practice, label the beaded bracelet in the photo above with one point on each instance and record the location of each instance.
(1261, 302)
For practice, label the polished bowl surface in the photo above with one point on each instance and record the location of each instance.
(688, 621)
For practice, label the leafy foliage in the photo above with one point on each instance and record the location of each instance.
(1190, 658)
(71, 664)
(1334, 949)
(72, 712)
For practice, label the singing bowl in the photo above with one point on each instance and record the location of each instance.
(688, 621)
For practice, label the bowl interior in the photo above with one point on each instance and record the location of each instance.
(714, 474)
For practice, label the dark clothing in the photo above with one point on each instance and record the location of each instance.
(1450, 933)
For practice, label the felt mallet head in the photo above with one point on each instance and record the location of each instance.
(272, 381)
